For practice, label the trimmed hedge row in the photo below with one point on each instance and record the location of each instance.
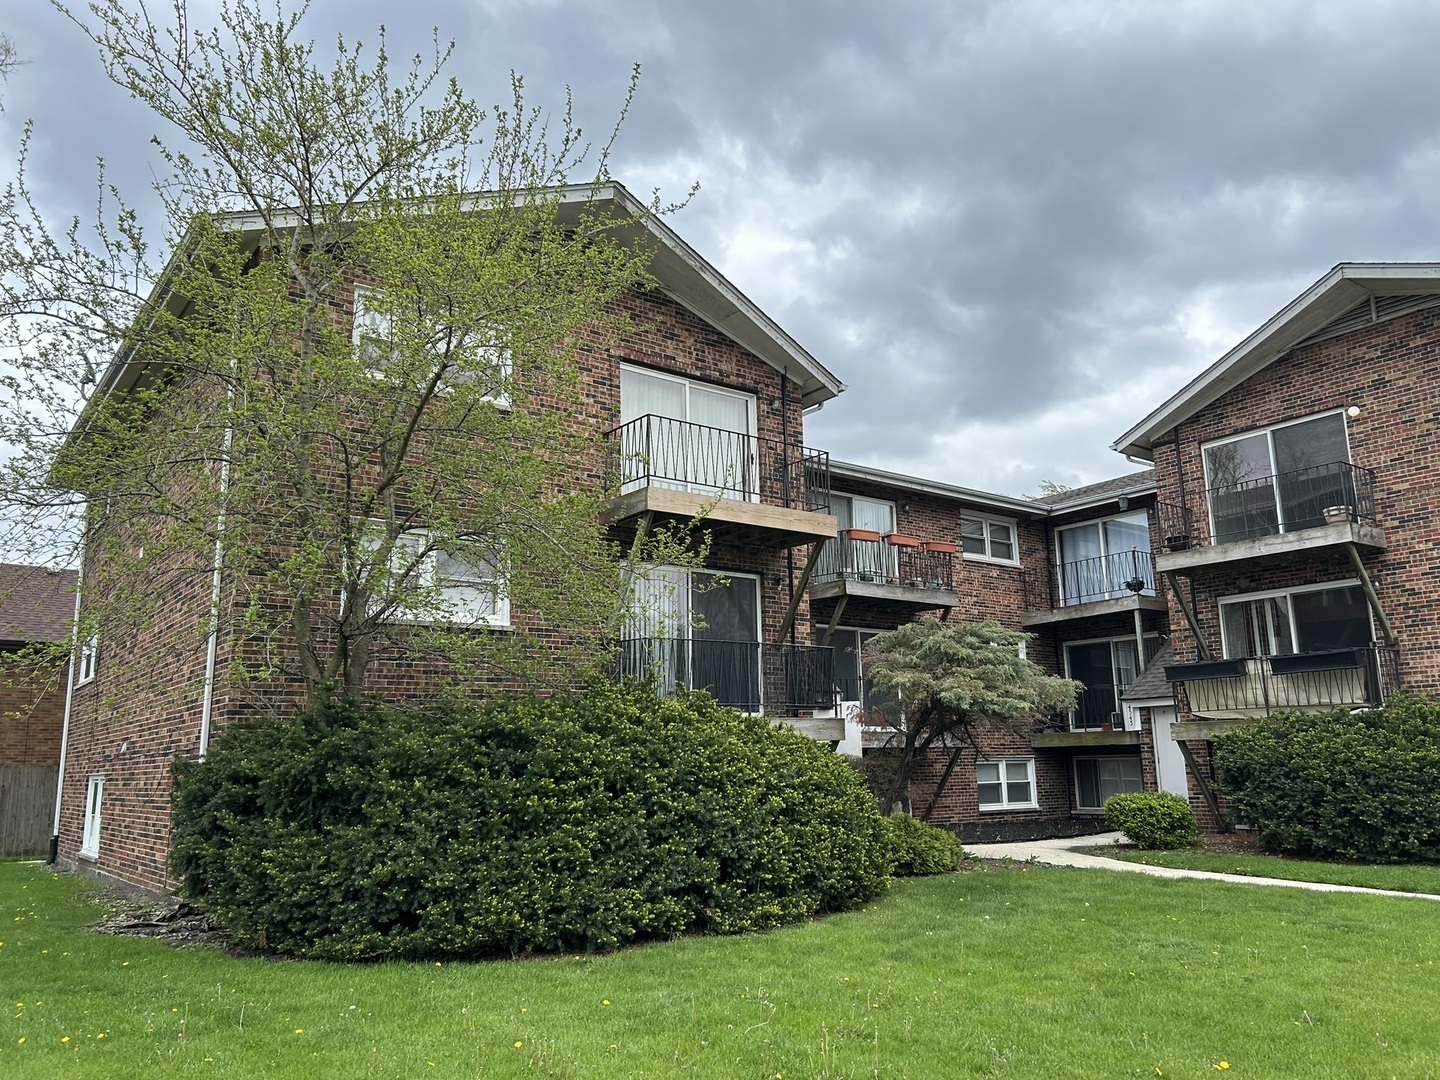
(572, 823)
(1360, 786)
(918, 849)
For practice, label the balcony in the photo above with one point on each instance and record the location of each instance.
(1270, 516)
(896, 568)
(776, 680)
(1103, 585)
(1096, 720)
(1242, 689)
(747, 489)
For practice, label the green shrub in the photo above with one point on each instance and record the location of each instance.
(1152, 819)
(570, 823)
(1340, 785)
(917, 849)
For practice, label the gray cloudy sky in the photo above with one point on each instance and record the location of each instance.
(1011, 228)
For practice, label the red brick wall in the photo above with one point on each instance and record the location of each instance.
(32, 709)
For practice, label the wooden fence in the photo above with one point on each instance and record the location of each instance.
(27, 805)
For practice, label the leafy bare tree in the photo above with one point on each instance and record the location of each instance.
(387, 485)
(954, 681)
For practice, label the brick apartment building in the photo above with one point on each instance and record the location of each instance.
(1298, 509)
(702, 406)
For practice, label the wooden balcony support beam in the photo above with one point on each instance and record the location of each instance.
(1203, 783)
(1371, 596)
(1189, 613)
(799, 593)
(835, 618)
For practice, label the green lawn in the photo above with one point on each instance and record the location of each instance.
(1022, 972)
(1420, 879)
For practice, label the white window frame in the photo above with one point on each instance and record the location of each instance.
(90, 831)
(1269, 432)
(367, 324)
(1075, 771)
(87, 660)
(457, 610)
(1005, 804)
(1105, 552)
(966, 517)
(1268, 594)
(751, 436)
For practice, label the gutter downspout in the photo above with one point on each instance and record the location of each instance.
(54, 852)
(212, 643)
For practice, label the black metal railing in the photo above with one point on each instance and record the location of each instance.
(873, 701)
(745, 675)
(1355, 678)
(1267, 505)
(880, 562)
(658, 450)
(1097, 708)
(1084, 581)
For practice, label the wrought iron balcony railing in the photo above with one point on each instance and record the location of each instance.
(744, 675)
(1097, 708)
(1356, 678)
(715, 462)
(1085, 581)
(928, 565)
(1266, 505)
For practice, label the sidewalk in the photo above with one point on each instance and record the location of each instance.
(1069, 851)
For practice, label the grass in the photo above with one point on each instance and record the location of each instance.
(1020, 972)
(1419, 879)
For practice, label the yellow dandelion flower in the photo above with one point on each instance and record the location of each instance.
(518, 1044)
(101, 1035)
(64, 1038)
(22, 1040)
(125, 963)
(605, 1001)
(299, 1031)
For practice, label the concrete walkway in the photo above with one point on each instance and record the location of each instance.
(1071, 851)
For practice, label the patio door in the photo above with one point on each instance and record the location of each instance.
(1101, 560)
(687, 435)
(854, 558)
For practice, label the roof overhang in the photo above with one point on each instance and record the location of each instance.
(1330, 297)
(1007, 503)
(679, 271)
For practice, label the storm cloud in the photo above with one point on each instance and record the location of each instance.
(1011, 228)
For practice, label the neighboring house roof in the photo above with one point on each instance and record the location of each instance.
(36, 604)
(1152, 684)
(1350, 296)
(681, 273)
(1136, 483)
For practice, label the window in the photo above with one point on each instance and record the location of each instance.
(89, 658)
(686, 628)
(1278, 479)
(687, 435)
(463, 583)
(1104, 560)
(1107, 668)
(1097, 778)
(483, 357)
(90, 834)
(1006, 785)
(1313, 619)
(989, 538)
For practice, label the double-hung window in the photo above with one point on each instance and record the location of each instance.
(476, 354)
(988, 538)
(459, 582)
(1006, 785)
(88, 660)
(1279, 479)
(688, 435)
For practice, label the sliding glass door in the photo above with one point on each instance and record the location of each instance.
(687, 435)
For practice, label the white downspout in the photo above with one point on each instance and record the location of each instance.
(69, 699)
(213, 642)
